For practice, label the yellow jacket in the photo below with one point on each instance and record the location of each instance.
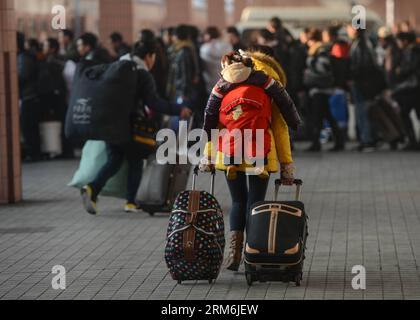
(280, 145)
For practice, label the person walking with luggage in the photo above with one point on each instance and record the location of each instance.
(407, 87)
(144, 57)
(247, 190)
(319, 79)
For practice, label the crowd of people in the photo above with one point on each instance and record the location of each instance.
(292, 88)
(363, 65)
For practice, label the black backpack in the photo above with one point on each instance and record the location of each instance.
(102, 100)
(323, 78)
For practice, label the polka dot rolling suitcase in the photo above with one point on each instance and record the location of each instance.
(196, 236)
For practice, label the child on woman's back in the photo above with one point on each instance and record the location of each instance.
(242, 100)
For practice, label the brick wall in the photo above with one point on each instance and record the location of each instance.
(10, 171)
(116, 16)
(178, 11)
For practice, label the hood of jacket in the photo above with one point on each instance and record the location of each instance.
(268, 65)
(236, 73)
(141, 65)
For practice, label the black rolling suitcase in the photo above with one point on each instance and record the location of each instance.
(386, 121)
(160, 186)
(196, 236)
(276, 240)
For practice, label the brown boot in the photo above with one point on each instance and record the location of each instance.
(236, 249)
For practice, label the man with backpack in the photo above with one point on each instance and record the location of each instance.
(407, 88)
(144, 57)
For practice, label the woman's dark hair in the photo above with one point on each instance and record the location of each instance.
(266, 35)
(182, 32)
(89, 39)
(213, 32)
(194, 33)
(314, 34)
(276, 23)
(147, 35)
(144, 48)
(233, 30)
(53, 44)
(233, 57)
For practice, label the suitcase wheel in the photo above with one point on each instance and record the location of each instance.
(298, 280)
(211, 281)
(179, 282)
(152, 214)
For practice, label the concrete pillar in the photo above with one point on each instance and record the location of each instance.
(10, 166)
(216, 14)
(178, 11)
(116, 16)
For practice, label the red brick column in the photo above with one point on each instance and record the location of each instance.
(10, 169)
(216, 13)
(240, 5)
(116, 16)
(286, 3)
(178, 11)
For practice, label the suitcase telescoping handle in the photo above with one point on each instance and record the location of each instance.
(297, 182)
(195, 176)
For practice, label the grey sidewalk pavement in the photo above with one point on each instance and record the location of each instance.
(364, 210)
